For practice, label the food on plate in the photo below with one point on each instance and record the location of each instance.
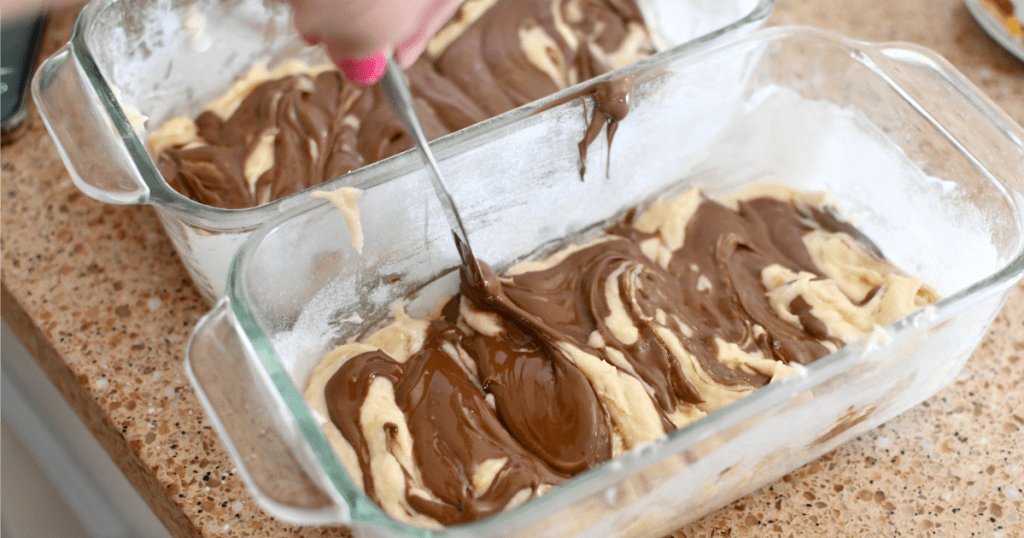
(1010, 13)
(516, 384)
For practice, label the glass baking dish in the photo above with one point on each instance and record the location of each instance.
(917, 157)
(132, 57)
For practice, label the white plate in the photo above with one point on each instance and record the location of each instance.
(995, 27)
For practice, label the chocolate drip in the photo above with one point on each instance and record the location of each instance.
(327, 127)
(611, 105)
(547, 418)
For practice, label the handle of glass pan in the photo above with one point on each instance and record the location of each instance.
(248, 417)
(982, 131)
(89, 139)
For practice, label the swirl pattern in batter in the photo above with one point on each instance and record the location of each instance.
(278, 132)
(557, 366)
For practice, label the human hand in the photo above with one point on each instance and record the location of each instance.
(361, 34)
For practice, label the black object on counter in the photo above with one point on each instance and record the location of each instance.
(21, 39)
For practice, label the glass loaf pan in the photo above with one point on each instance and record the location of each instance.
(918, 159)
(142, 50)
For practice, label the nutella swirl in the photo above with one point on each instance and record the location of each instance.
(561, 365)
(293, 132)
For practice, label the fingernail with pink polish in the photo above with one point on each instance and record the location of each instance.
(365, 71)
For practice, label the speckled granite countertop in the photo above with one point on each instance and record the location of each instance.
(97, 294)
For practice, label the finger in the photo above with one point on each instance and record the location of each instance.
(364, 71)
(344, 27)
(407, 53)
(412, 47)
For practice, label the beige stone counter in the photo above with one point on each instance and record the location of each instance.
(99, 297)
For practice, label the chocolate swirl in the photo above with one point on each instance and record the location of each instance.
(557, 369)
(485, 62)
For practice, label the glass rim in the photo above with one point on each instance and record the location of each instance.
(243, 220)
(364, 511)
